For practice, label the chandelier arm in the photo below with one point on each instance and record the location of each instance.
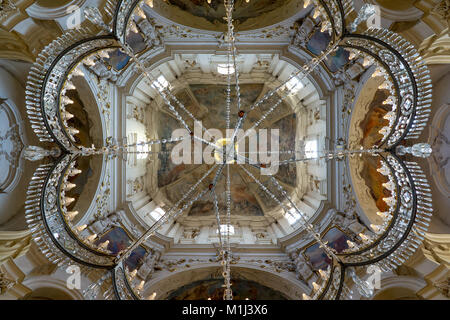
(207, 143)
(95, 16)
(152, 142)
(269, 193)
(217, 177)
(336, 154)
(290, 161)
(171, 214)
(166, 92)
(303, 73)
(216, 210)
(172, 109)
(228, 101)
(229, 5)
(164, 219)
(112, 149)
(144, 71)
(309, 228)
(225, 251)
(161, 93)
(408, 70)
(266, 190)
(161, 88)
(228, 292)
(182, 106)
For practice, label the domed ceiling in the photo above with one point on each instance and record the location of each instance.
(247, 15)
(206, 104)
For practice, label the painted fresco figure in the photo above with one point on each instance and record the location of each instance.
(348, 221)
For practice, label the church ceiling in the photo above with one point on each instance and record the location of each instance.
(348, 106)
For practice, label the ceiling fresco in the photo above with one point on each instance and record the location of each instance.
(214, 96)
(215, 11)
(374, 182)
(317, 257)
(243, 200)
(206, 103)
(288, 128)
(212, 289)
(367, 116)
(168, 172)
(119, 240)
(374, 121)
(246, 15)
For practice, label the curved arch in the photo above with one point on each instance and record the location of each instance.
(49, 288)
(286, 284)
(399, 288)
(437, 140)
(14, 134)
(45, 10)
(93, 94)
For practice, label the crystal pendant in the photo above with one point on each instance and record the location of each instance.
(93, 14)
(35, 153)
(420, 150)
(366, 11)
(363, 287)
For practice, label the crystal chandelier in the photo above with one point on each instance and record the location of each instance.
(405, 77)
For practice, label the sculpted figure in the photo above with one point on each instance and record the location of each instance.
(105, 223)
(146, 269)
(302, 268)
(348, 221)
(104, 72)
(150, 33)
